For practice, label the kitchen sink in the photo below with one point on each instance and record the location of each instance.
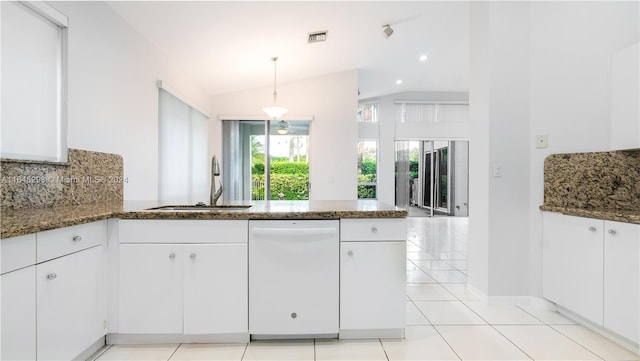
(200, 208)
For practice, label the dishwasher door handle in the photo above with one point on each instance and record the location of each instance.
(297, 232)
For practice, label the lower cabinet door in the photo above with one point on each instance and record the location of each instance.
(372, 285)
(70, 304)
(622, 279)
(19, 314)
(215, 288)
(573, 264)
(150, 289)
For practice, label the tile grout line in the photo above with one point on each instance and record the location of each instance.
(246, 346)
(428, 320)
(174, 351)
(383, 349)
(447, 342)
(422, 313)
(550, 325)
(576, 342)
(498, 331)
(482, 318)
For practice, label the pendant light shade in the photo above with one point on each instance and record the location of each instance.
(275, 111)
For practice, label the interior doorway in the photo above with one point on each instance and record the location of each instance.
(432, 177)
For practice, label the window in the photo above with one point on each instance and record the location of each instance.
(367, 169)
(182, 152)
(33, 82)
(425, 112)
(256, 167)
(368, 112)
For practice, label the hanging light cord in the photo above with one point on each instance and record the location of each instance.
(275, 93)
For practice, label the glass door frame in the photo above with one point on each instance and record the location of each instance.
(267, 129)
(424, 150)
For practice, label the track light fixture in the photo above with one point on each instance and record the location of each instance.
(387, 31)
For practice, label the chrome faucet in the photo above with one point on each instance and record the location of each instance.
(215, 171)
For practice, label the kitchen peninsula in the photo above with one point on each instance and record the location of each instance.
(277, 269)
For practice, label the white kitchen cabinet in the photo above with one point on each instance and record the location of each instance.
(293, 277)
(196, 285)
(573, 264)
(19, 313)
(150, 289)
(372, 285)
(215, 288)
(18, 294)
(621, 279)
(71, 312)
(625, 98)
(372, 277)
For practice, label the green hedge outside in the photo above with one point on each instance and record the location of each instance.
(282, 168)
(283, 186)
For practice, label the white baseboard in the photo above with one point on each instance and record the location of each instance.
(511, 300)
(628, 344)
(132, 339)
(92, 350)
(476, 292)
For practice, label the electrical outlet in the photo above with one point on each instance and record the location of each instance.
(542, 141)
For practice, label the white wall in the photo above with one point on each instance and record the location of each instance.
(572, 44)
(536, 68)
(389, 132)
(113, 99)
(333, 102)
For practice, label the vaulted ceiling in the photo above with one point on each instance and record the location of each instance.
(227, 45)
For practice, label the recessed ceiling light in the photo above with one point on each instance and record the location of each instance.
(423, 57)
(399, 81)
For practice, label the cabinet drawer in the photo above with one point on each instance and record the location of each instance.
(373, 229)
(62, 241)
(18, 252)
(183, 231)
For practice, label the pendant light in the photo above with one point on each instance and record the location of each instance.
(275, 111)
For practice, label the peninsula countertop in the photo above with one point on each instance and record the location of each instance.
(25, 221)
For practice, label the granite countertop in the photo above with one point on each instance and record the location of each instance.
(24, 221)
(609, 215)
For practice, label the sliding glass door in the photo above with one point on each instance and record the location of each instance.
(257, 167)
(432, 175)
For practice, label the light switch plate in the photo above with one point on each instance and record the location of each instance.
(498, 170)
(542, 141)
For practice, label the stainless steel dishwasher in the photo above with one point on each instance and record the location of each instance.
(293, 278)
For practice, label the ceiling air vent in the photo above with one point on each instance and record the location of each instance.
(316, 37)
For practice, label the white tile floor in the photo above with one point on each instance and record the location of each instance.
(444, 320)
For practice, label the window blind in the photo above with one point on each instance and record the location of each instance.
(182, 152)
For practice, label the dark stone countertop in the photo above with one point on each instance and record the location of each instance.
(30, 220)
(609, 215)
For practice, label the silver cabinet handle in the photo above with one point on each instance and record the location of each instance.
(192, 256)
(350, 253)
(374, 230)
(612, 232)
(172, 256)
(52, 276)
(77, 238)
(592, 229)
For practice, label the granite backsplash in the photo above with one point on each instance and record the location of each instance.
(594, 181)
(88, 178)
